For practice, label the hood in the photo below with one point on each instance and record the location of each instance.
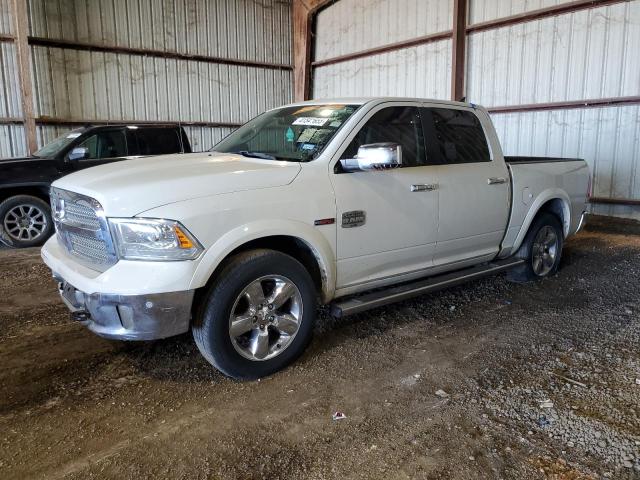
(128, 188)
(28, 171)
(6, 161)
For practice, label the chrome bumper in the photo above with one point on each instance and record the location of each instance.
(129, 317)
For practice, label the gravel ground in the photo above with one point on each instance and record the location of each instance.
(487, 380)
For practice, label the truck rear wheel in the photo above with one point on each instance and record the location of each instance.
(259, 315)
(541, 250)
(25, 221)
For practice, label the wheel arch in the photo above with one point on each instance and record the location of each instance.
(35, 190)
(308, 247)
(552, 201)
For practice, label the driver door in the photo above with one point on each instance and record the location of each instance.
(105, 146)
(388, 219)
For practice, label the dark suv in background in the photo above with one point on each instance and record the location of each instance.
(25, 215)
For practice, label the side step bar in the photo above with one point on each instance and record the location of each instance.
(378, 298)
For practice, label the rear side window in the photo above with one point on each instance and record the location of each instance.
(158, 141)
(399, 125)
(456, 136)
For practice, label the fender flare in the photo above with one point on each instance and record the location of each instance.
(263, 228)
(542, 198)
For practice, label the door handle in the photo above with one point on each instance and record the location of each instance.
(496, 180)
(428, 187)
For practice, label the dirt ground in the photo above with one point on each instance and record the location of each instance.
(540, 381)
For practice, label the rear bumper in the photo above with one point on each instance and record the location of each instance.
(129, 317)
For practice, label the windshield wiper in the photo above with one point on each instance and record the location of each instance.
(264, 156)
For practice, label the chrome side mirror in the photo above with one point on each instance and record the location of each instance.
(79, 153)
(375, 156)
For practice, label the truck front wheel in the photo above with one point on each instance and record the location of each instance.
(25, 221)
(541, 250)
(258, 316)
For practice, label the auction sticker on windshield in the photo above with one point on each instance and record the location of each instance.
(314, 121)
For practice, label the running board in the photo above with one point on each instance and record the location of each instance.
(378, 298)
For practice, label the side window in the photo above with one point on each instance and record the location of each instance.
(397, 125)
(455, 135)
(109, 144)
(158, 141)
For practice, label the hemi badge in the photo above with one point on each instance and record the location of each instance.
(325, 221)
(354, 218)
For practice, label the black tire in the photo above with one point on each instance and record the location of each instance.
(527, 272)
(38, 234)
(212, 322)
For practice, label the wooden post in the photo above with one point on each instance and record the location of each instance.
(21, 23)
(458, 60)
(303, 11)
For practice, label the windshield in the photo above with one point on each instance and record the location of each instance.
(297, 134)
(51, 149)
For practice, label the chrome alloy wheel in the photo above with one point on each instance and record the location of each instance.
(25, 222)
(545, 251)
(265, 317)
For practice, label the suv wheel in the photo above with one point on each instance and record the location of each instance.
(541, 250)
(25, 221)
(259, 315)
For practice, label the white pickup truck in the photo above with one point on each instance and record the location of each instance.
(349, 203)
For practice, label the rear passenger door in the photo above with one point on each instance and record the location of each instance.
(473, 185)
(157, 141)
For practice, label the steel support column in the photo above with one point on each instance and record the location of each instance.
(458, 50)
(303, 11)
(21, 27)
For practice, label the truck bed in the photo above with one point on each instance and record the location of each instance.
(534, 180)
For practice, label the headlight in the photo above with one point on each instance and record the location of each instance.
(153, 239)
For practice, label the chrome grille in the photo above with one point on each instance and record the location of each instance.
(83, 229)
(81, 215)
(86, 247)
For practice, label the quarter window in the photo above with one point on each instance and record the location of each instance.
(455, 135)
(399, 125)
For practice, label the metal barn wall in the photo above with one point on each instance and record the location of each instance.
(526, 60)
(486, 10)
(163, 61)
(6, 20)
(11, 135)
(422, 71)
(585, 55)
(352, 26)
(242, 29)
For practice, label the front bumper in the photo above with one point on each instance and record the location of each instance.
(129, 317)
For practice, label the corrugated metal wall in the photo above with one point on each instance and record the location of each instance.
(256, 30)
(81, 85)
(351, 26)
(11, 136)
(585, 55)
(589, 54)
(354, 25)
(117, 86)
(422, 71)
(6, 20)
(485, 10)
